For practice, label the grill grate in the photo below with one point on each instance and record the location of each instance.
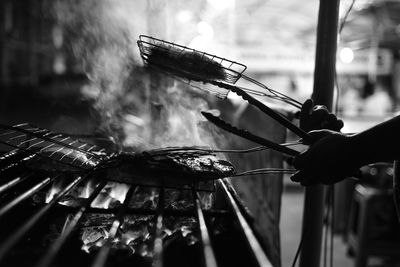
(19, 187)
(47, 144)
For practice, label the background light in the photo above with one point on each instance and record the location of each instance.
(346, 55)
(221, 4)
(184, 16)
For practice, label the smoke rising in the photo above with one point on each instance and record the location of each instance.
(102, 35)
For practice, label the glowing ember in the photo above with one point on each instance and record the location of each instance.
(112, 195)
(75, 197)
(135, 233)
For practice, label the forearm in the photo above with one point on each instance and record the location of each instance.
(379, 143)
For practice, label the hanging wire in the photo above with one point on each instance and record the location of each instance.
(298, 250)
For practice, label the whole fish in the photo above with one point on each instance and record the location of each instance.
(62, 159)
(165, 168)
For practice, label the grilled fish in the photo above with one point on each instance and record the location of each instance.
(62, 159)
(166, 167)
(171, 168)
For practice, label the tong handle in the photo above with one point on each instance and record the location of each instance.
(270, 112)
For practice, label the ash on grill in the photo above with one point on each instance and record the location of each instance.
(54, 213)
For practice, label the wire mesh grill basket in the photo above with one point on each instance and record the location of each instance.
(183, 61)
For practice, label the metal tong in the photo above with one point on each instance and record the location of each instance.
(252, 137)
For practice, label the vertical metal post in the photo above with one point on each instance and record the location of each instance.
(324, 75)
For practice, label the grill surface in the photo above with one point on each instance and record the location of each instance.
(54, 218)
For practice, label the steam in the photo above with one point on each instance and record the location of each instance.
(102, 35)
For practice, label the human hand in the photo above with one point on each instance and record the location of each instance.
(329, 159)
(318, 117)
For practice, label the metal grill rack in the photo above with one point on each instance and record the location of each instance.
(178, 55)
(31, 220)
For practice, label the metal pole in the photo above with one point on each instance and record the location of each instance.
(324, 75)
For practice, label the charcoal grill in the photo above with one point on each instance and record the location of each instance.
(44, 218)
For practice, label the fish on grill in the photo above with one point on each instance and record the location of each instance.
(62, 159)
(167, 166)
(171, 167)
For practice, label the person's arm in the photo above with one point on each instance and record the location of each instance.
(379, 143)
(335, 156)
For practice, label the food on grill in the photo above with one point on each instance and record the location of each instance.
(166, 167)
(61, 159)
(192, 65)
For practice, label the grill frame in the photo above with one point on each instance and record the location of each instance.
(234, 208)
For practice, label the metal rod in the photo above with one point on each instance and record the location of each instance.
(264, 171)
(52, 140)
(9, 155)
(15, 237)
(322, 95)
(102, 256)
(209, 257)
(25, 195)
(56, 246)
(16, 163)
(146, 211)
(252, 241)
(14, 182)
(38, 154)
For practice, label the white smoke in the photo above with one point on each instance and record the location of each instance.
(103, 35)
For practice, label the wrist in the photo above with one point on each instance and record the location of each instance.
(360, 151)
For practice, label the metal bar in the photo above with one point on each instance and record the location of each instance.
(101, 257)
(29, 140)
(16, 163)
(324, 73)
(35, 144)
(145, 211)
(49, 256)
(25, 195)
(208, 252)
(15, 237)
(7, 133)
(252, 241)
(8, 154)
(52, 139)
(40, 155)
(10, 158)
(14, 182)
(158, 242)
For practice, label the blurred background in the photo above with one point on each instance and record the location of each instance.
(73, 66)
